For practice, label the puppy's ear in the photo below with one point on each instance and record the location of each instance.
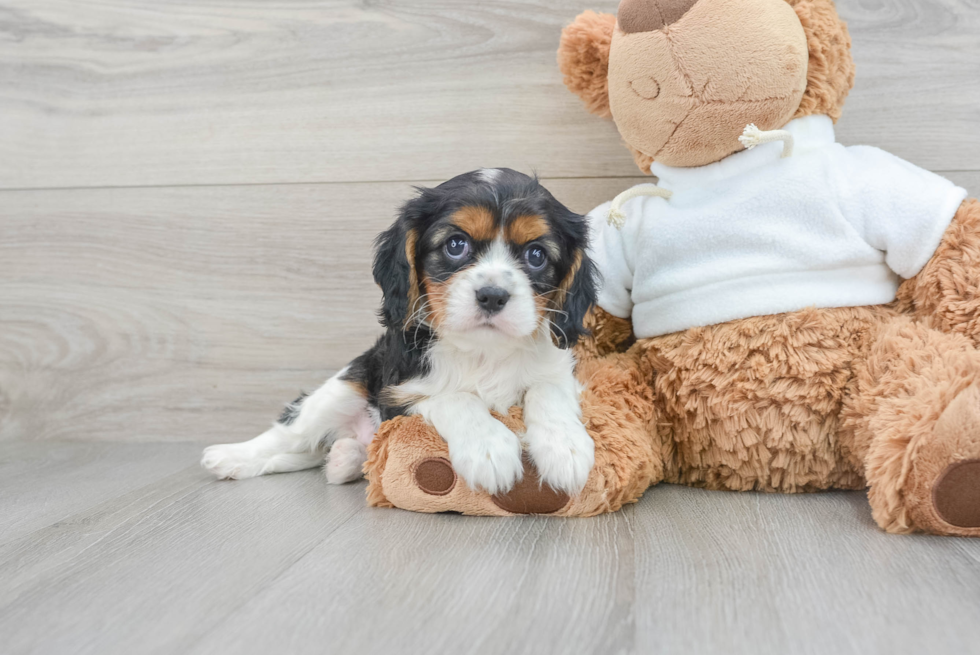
(583, 57)
(395, 271)
(575, 296)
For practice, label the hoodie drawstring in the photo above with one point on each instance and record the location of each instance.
(753, 136)
(616, 216)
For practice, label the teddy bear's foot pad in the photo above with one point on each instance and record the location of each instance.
(435, 476)
(956, 495)
(529, 496)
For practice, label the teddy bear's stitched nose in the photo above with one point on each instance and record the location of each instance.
(649, 15)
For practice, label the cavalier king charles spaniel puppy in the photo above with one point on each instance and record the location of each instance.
(486, 283)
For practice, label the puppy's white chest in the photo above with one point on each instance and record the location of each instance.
(500, 381)
(499, 376)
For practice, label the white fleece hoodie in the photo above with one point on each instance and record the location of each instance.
(756, 234)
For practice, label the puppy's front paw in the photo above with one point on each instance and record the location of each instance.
(488, 458)
(563, 453)
(232, 461)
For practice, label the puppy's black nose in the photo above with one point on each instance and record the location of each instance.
(492, 299)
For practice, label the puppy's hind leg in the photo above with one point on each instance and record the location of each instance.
(299, 439)
(347, 455)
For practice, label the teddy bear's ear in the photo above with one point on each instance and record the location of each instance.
(830, 72)
(583, 57)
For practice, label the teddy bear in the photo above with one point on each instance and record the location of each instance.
(778, 313)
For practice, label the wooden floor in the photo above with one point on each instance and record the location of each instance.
(130, 548)
(188, 194)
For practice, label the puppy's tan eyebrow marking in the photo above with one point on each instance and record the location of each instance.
(526, 228)
(552, 248)
(476, 221)
(440, 234)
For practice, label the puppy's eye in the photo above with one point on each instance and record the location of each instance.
(457, 247)
(535, 257)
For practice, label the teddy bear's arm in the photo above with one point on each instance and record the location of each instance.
(946, 291)
(607, 334)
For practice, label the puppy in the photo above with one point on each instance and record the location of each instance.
(486, 282)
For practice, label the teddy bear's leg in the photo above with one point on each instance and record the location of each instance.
(913, 420)
(946, 292)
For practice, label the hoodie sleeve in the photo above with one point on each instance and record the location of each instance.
(899, 208)
(613, 257)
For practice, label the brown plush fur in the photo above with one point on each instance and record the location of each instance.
(830, 70)
(642, 161)
(583, 57)
(754, 403)
(884, 397)
(607, 334)
(946, 292)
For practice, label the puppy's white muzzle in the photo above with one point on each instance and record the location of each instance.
(494, 293)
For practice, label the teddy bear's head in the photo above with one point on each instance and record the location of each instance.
(683, 78)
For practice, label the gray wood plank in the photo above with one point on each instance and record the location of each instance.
(148, 93)
(26, 560)
(395, 582)
(289, 564)
(916, 91)
(188, 313)
(43, 483)
(154, 571)
(796, 574)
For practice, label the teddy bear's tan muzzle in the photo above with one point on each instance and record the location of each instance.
(687, 76)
